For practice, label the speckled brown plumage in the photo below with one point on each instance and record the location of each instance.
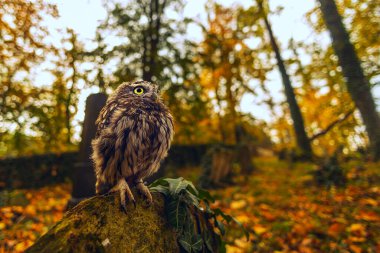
(133, 135)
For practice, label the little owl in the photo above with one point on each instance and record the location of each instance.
(134, 131)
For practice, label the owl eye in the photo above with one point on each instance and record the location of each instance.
(138, 90)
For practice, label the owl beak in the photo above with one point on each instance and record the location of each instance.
(154, 96)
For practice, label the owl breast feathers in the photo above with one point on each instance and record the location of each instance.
(134, 132)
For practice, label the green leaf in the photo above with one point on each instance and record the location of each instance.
(191, 199)
(205, 195)
(226, 217)
(160, 181)
(229, 218)
(191, 188)
(220, 226)
(191, 243)
(208, 208)
(208, 240)
(177, 185)
(245, 231)
(177, 211)
(161, 189)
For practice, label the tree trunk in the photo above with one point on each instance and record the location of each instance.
(84, 178)
(221, 166)
(99, 225)
(298, 123)
(217, 166)
(357, 84)
(243, 150)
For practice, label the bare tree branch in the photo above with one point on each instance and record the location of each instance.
(332, 125)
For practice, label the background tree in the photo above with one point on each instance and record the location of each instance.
(54, 113)
(357, 84)
(148, 46)
(228, 65)
(322, 91)
(22, 46)
(303, 142)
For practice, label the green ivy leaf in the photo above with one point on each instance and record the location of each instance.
(191, 243)
(176, 186)
(182, 195)
(161, 189)
(226, 217)
(208, 240)
(220, 226)
(229, 218)
(159, 182)
(245, 231)
(177, 212)
(205, 195)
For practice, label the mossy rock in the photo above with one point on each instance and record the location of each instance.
(99, 225)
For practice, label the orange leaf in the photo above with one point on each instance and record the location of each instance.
(355, 249)
(367, 216)
(30, 210)
(268, 216)
(369, 202)
(336, 229)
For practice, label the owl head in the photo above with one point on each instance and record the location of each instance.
(138, 90)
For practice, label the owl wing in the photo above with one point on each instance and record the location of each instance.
(114, 126)
(104, 118)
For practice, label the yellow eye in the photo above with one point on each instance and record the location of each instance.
(138, 90)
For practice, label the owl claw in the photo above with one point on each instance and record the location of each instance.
(123, 207)
(144, 190)
(125, 193)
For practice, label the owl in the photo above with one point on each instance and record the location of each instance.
(134, 132)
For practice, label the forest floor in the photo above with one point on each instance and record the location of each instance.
(279, 205)
(286, 212)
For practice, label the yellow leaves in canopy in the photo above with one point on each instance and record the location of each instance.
(207, 79)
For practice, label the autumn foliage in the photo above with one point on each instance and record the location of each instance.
(280, 206)
(232, 80)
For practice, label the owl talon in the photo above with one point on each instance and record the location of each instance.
(144, 190)
(125, 193)
(123, 207)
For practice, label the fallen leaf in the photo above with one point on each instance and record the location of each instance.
(367, 216)
(259, 229)
(238, 204)
(336, 229)
(355, 249)
(268, 216)
(369, 202)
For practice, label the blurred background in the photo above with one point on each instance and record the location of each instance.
(276, 108)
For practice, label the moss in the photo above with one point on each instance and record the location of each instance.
(99, 225)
